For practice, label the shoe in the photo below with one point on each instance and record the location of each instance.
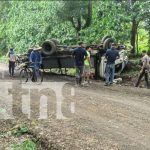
(106, 84)
(110, 84)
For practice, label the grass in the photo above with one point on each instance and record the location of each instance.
(26, 145)
(20, 130)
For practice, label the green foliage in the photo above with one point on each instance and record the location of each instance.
(29, 23)
(20, 130)
(143, 39)
(103, 14)
(26, 145)
(79, 13)
(25, 24)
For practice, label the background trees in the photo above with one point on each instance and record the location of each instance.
(28, 23)
(79, 13)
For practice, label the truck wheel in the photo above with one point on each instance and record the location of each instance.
(55, 41)
(48, 48)
(105, 37)
(30, 50)
(107, 43)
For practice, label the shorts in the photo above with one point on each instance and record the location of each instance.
(87, 70)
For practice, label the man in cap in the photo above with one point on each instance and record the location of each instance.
(36, 59)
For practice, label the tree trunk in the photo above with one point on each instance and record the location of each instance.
(137, 44)
(133, 35)
(78, 29)
(76, 24)
(88, 18)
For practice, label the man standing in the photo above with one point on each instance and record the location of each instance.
(79, 55)
(87, 65)
(12, 60)
(35, 59)
(145, 69)
(111, 56)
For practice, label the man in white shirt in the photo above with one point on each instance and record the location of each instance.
(145, 69)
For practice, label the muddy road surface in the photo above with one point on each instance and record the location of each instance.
(78, 118)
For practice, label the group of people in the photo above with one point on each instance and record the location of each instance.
(34, 58)
(83, 64)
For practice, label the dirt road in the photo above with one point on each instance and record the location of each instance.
(101, 118)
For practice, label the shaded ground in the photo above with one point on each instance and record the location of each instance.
(105, 118)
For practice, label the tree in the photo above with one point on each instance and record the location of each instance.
(79, 13)
(27, 23)
(4, 10)
(137, 10)
(108, 18)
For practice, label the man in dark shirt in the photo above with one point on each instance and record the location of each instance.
(35, 61)
(111, 56)
(79, 56)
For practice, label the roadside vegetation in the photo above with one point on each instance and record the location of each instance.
(28, 23)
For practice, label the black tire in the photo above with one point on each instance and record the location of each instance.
(48, 48)
(107, 43)
(29, 73)
(55, 41)
(105, 37)
(29, 51)
(23, 76)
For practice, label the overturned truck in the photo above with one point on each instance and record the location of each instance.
(60, 56)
